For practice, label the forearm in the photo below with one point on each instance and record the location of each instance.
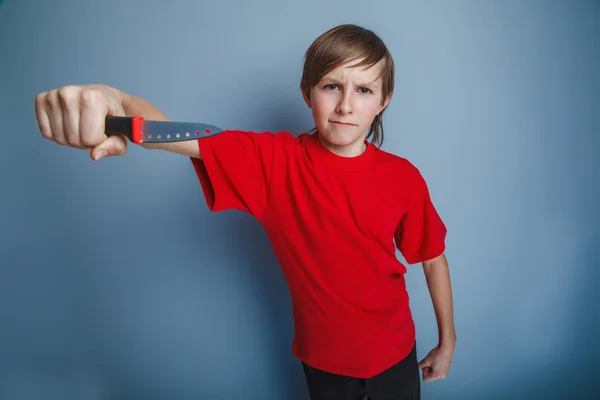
(437, 275)
(137, 106)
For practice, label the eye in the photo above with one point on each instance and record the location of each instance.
(365, 90)
(331, 86)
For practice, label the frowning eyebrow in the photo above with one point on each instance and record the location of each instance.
(370, 84)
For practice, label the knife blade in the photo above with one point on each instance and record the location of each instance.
(140, 130)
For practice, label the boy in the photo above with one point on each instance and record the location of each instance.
(334, 206)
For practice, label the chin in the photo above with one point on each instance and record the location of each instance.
(340, 139)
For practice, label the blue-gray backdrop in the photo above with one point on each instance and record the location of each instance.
(117, 283)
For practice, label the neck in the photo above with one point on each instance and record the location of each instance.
(353, 149)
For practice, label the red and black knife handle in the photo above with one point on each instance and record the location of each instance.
(131, 127)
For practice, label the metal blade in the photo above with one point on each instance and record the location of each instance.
(169, 131)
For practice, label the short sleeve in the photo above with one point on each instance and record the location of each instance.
(235, 170)
(421, 233)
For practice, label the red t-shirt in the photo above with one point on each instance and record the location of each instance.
(334, 223)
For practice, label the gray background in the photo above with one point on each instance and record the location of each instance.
(117, 283)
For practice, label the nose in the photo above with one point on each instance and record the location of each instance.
(345, 104)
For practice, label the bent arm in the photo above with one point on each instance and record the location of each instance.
(137, 106)
(437, 275)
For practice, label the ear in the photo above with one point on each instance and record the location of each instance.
(385, 104)
(306, 96)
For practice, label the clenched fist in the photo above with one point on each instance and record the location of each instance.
(74, 116)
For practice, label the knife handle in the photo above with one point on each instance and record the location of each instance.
(131, 127)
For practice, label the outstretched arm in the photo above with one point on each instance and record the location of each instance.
(137, 106)
(74, 116)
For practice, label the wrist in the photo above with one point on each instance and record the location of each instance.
(447, 340)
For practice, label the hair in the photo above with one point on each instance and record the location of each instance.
(346, 43)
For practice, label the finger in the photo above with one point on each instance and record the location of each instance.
(426, 374)
(426, 362)
(94, 109)
(55, 115)
(430, 378)
(42, 116)
(437, 373)
(114, 145)
(69, 105)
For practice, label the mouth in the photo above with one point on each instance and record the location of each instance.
(342, 123)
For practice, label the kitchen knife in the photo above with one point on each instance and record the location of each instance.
(140, 130)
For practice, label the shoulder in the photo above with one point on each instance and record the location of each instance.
(247, 141)
(399, 167)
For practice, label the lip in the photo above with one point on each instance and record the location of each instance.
(342, 123)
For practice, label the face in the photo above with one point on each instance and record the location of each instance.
(344, 104)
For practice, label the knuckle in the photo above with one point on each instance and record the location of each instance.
(67, 94)
(40, 100)
(49, 98)
(72, 141)
(45, 132)
(41, 117)
(91, 96)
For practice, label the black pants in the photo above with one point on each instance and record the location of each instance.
(399, 382)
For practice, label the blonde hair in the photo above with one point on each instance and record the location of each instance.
(346, 43)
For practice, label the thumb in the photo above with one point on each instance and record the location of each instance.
(114, 145)
(426, 362)
(428, 374)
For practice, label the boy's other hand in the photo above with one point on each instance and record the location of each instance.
(437, 363)
(74, 116)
